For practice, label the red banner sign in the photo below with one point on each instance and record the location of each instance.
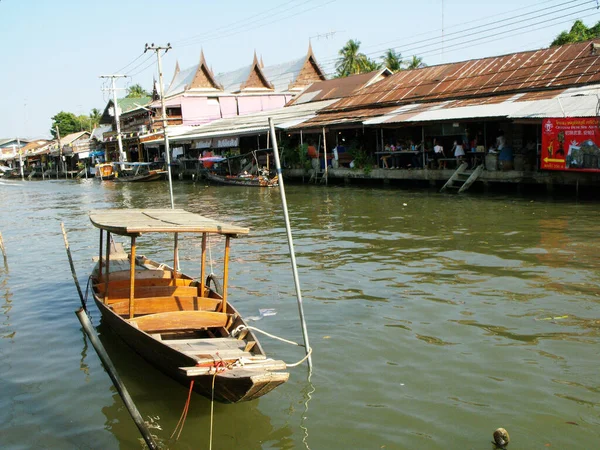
(571, 144)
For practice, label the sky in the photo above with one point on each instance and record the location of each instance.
(55, 51)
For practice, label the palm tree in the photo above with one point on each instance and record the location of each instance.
(351, 61)
(136, 91)
(416, 63)
(95, 117)
(392, 60)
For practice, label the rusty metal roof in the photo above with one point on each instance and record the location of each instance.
(555, 67)
(339, 87)
(343, 117)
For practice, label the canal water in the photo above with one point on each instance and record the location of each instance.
(434, 319)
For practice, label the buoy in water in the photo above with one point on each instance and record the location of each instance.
(501, 438)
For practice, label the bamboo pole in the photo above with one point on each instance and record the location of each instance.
(2, 247)
(290, 243)
(225, 272)
(62, 226)
(324, 154)
(203, 266)
(107, 266)
(131, 279)
(114, 376)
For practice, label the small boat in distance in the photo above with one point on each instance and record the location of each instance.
(105, 171)
(184, 326)
(140, 171)
(243, 179)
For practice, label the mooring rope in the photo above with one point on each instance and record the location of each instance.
(239, 328)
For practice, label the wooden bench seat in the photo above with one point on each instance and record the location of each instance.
(122, 284)
(116, 295)
(139, 274)
(180, 320)
(154, 305)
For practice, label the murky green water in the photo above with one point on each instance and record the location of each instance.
(434, 319)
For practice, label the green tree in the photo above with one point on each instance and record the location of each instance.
(95, 116)
(415, 63)
(578, 33)
(67, 123)
(351, 61)
(392, 60)
(136, 91)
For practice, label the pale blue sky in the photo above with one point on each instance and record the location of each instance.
(54, 51)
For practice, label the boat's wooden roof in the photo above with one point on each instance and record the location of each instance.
(131, 222)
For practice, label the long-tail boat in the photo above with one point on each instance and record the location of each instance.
(185, 327)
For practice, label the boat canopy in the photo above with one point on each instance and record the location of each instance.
(134, 222)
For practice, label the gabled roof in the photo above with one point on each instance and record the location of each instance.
(5, 141)
(70, 138)
(555, 67)
(289, 76)
(126, 104)
(339, 87)
(203, 78)
(31, 146)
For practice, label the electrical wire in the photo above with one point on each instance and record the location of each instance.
(212, 32)
(241, 30)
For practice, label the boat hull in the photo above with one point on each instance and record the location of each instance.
(241, 181)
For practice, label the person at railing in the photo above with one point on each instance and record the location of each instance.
(438, 152)
(459, 152)
(385, 157)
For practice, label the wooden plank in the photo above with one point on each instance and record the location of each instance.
(155, 305)
(139, 274)
(136, 221)
(153, 291)
(180, 320)
(121, 284)
(264, 365)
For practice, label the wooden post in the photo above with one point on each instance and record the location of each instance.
(100, 257)
(107, 267)
(325, 153)
(423, 145)
(176, 255)
(2, 246)
(131, 279)
(225, 272)
(203, 266)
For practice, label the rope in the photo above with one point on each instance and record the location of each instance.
(237, 330)
(183, 414)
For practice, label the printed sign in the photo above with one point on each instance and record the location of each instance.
(225, 142)
(571, 144)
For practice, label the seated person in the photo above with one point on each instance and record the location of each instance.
(384, 158)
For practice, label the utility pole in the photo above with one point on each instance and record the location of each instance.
(157, 49)
(117, 120)
(20, 159)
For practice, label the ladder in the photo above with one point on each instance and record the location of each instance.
(462, 179)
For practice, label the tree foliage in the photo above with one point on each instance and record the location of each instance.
(66, 122)
(352, 61)
(415, 63)
(136, 91)
(578, 33)
(392, 60)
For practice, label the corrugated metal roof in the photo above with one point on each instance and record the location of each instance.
(554, 67)
(343, 117)
(254, 123)
(336, 88)
(572, 103)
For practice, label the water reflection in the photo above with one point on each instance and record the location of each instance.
(161, 400)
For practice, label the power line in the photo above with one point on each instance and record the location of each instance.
(212, 32)
(241, 30)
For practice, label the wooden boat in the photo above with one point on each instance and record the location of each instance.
(184, 327)
(243, 180)
(140, 172)
(105, 171)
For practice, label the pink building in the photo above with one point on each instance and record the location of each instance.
(196, 95)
